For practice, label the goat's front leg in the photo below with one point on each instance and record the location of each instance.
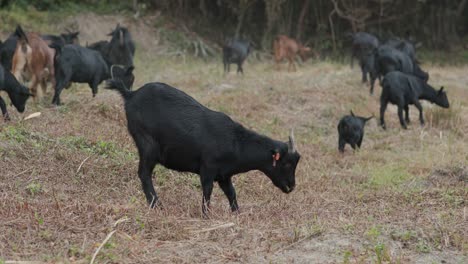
(230, 192)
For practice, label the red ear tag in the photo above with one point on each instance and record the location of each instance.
(275, 158)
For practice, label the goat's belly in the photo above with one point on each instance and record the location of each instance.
(181, 161)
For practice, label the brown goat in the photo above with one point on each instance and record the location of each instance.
(285, 47)
(33, 61)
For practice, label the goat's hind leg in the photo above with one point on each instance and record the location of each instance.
(148, 159)
(400, 116)
(4, 110)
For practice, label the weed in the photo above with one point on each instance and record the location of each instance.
(423, 247)
(104, 148)
(404, 236)
(74, 251)
(381, 253)
(46, 235)
(34, 188)
(374, 233)
(15, 133)
(347, 257)
(39, 219)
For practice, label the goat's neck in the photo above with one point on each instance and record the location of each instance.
(255, 151)
(428, 93)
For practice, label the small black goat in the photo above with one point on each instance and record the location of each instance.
(235, 51)
(18, 93)
(402, 90)
(74, 63)
(172, 129)
(351, 131)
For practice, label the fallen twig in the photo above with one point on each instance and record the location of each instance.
(227, 225)
(102, 245)
(81, 165)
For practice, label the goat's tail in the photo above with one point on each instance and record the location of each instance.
(118, 85)
(57, 48)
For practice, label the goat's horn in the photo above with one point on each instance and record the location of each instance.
(291, 144)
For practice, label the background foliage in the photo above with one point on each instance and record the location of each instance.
(325, 24)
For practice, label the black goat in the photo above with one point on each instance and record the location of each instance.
(363, 45)
(172, 129)
(235, 51)
(63, 39)
(7, 51)
(74, 63)
(18, 93)
(351, 131)
(402, 90)
(119, 50)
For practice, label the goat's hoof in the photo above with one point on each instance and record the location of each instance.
(6, 118)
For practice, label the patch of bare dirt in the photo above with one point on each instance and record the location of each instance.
(449, 176)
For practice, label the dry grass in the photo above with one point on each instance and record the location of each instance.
(69, 175)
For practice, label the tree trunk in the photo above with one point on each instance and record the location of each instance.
(239, 22)
(300, 22)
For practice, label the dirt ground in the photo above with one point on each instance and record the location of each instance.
(69, 180)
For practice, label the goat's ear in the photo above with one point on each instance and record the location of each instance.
(441, 90)
(129, 70)
(351, 112)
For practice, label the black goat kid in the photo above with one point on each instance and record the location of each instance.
(172, 129)
(351, 131)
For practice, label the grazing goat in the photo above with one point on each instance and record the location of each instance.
(351, 131)
(288, 48)
(33, 60)
(63, 39)
(18, 93)
(120, 50)
(74, 63)
(172, 129)
(235, 51)
(402, 90)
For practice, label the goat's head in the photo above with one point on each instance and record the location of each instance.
(282, 171)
